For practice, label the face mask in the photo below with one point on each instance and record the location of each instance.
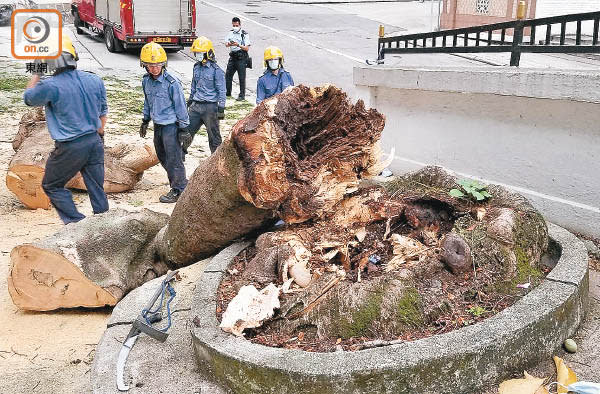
(201, 56)
(236, 29)
(273, 64)
(584, 388)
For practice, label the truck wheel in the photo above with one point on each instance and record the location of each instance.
(113, 44)
(109, 39)
(78, 23)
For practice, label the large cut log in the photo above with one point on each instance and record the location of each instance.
(90, 263)
(124, 163)
(295, 156)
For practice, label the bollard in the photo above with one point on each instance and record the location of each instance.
(521, 9)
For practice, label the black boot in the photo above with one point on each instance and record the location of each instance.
(171, 197)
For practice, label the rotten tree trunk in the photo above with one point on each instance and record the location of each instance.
(124, 164)
(295, 156)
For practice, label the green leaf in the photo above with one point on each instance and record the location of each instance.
(464, 182)
(485, 194)
(456, 193)
(478, 185)
(478, 195)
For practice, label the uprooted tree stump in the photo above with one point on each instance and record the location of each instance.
(124, 163)
(412, 243)
(295, 156)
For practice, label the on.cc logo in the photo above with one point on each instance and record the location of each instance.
(36, 29)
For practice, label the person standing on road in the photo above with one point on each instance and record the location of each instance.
(275, 78)
(76, 108)
(238, 42)
(164, 103)
(206, 104)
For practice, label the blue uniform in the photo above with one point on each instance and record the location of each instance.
(164, 101)
(207, 94)
(165, 104)
(208, 83)
(75, 101)
(269, 84)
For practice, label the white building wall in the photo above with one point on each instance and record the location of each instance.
(546, 8)
(559, 7)
(534, 131)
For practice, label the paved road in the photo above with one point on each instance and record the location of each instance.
(321, 42)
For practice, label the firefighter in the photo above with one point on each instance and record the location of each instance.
(206, 104)
(164, 103)
(76, 108)
(275, 78)
(238, 42)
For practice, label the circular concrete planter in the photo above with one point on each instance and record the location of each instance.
(462, 361)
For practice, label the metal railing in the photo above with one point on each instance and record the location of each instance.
(480, 39)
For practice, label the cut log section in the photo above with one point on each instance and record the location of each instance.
(91, 263)
(57, 284)
(124, 163)
(26, 169)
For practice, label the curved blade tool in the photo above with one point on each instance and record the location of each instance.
(139, 326)
(123, 354)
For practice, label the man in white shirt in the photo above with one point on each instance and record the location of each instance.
(238, 42)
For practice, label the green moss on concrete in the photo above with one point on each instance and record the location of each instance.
(526, 269)
(362, 319)
(409, 308)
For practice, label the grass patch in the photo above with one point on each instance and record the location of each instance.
(125, 105)
(136, 203)
(11, 83)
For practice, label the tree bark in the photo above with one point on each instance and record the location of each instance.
(295, 156)
(92, 263)
(124, 164)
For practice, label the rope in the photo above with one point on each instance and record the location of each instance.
(145, 312)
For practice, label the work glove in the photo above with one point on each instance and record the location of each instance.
(144, 128)
(220, 112)
(185, 139)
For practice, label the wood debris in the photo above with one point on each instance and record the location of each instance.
(250, 308)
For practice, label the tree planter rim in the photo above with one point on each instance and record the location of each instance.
(566, 283)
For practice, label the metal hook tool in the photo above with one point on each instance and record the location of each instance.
(141, 325)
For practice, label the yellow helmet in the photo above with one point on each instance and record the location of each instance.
(202, 44)
(152, 53)
(67, 58)
(272, 53)
(67, 46)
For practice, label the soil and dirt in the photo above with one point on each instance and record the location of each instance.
(430, 295)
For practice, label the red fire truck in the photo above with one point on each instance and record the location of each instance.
(127, 24)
